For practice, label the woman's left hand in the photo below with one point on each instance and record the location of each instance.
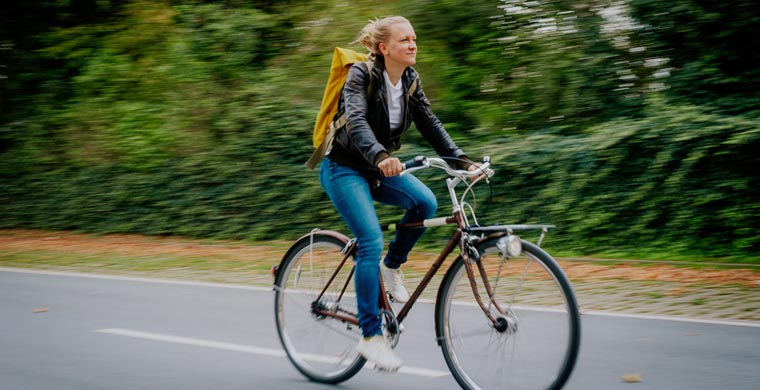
(476, 167)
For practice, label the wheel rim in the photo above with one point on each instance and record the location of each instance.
(537, 346)
(322, 348)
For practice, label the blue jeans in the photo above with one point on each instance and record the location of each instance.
(352, 193)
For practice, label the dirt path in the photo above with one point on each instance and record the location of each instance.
(628, 287)
(262, 256)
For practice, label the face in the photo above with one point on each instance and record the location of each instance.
(401, 47)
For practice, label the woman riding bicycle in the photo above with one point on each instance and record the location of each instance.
(360, 168)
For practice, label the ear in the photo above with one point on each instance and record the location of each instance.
(383, 48)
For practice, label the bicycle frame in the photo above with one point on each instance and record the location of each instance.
(462, 237)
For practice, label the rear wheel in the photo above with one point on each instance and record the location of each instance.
(535, 341)
(322, 348)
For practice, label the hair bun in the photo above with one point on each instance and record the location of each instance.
(366, 35)
(378, 31)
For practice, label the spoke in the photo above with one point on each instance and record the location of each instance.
(522, 280)
(532, 352)
(475, 332)
(322, 347)
(342, 331)
(495, 287)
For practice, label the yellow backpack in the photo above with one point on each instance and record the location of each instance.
(325, 126)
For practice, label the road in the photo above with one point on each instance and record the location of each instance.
(69, 331)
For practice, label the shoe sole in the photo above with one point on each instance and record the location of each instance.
(380, 368)
(393, 299)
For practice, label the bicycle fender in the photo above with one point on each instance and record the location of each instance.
(306, 237)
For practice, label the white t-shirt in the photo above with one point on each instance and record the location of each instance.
(395, 105)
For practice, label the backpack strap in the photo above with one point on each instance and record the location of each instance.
(371, 88)
(319, 154)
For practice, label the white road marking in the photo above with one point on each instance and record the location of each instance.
(135, 279)
(259, 288)
(419, 371)
(669, 318)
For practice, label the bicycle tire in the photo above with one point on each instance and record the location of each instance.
(322, 348)
(539, 348)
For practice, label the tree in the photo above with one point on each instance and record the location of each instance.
(711, 49)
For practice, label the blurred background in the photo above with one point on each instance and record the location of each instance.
(631, 125)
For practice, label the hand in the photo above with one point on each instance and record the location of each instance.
(476, 167)
(391, 166)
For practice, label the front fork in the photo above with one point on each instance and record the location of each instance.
(471, 256)
(505, 320)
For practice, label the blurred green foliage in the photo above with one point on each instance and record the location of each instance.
(632, 125)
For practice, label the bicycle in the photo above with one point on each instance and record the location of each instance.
(525, 332)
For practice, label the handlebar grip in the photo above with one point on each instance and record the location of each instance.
(414, 162)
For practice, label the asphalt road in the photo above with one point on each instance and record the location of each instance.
(66, 331)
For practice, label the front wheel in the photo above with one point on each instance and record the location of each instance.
(322, 348)
(535, 340)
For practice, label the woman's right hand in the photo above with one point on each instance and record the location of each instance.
(391, 166)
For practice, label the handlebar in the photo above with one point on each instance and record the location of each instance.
(421, 162)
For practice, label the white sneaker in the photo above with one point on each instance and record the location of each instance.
(377, 350)
(393, 280)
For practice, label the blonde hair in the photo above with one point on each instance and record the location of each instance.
(378, 31)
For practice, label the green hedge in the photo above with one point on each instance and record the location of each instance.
(680, 181)
(194, 117)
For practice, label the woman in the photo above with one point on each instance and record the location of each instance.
(360, 168)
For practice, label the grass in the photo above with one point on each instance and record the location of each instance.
(655, 294)
(107, 263)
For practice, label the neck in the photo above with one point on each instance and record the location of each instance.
(395, 72)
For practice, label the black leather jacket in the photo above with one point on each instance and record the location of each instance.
(367, 139)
